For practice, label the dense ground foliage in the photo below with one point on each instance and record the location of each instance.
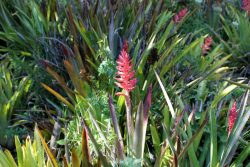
(124, 83)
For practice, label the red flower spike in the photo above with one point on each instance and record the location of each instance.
(246, 5)
(232, 117)
(206, 45)
(179, 16)
(125, 74)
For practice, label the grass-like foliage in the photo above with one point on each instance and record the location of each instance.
(124, 84)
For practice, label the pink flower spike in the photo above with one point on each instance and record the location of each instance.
(246, 5)
(206, 45)
(179, 16)
(232, 117)
(125, 74)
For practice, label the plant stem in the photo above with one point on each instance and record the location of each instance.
(130, 125)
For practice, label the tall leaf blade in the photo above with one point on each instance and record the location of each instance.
(96, 145)
(117, 129)
(49, 153)
(171, 108)
(75, 159)
(19, 152)
(10, 158)
(85, 149)
(58, 96)
(141, 125)
(75, 78)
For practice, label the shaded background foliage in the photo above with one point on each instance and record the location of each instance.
(68, 52)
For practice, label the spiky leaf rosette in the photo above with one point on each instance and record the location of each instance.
(125, 74)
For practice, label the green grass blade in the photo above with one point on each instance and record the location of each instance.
(213, 138)
(243, 155)
(171, 108)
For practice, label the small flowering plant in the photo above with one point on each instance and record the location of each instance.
(136, 129)
(180, 15)
(206, 45)
(126, 80)
(246, 6)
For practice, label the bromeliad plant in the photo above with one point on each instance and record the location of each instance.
(136, 135)
(127, 82)
(190, 131)
(236, 41)
(36, 153)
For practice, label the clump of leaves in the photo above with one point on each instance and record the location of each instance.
(130, 162)
(73, 133)
(237, 38)
(106, 73)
